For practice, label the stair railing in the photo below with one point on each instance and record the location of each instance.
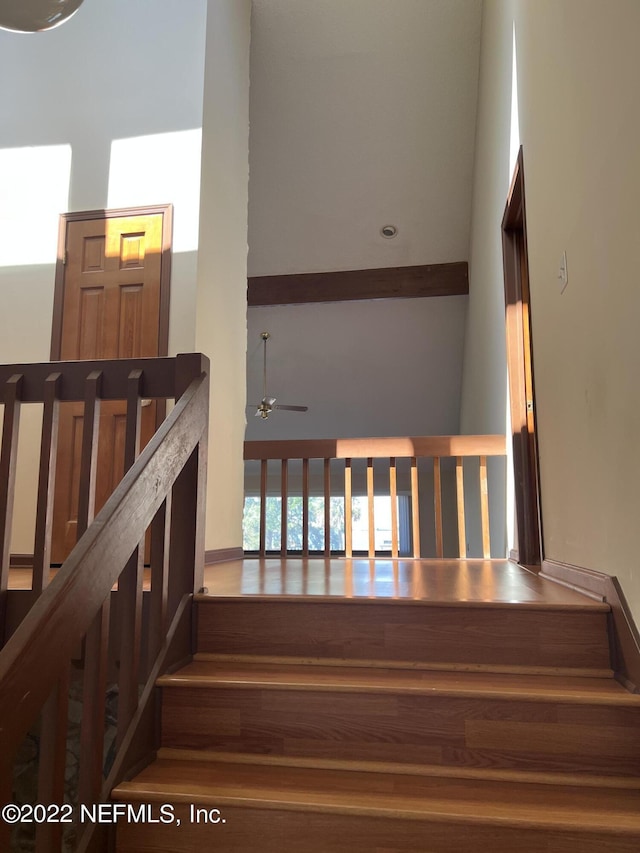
(375, 466)
(81, 638)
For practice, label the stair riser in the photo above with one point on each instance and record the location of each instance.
(249, 830)
(441, 730)
(471, 635)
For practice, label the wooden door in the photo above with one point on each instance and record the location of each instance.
(111, 303)
(520, 367)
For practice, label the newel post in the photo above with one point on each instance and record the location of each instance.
(188, 514)
(8, 456)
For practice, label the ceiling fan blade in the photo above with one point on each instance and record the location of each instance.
(293, 408)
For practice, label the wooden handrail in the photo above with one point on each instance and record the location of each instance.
(70, 614)
(382, 456)
(61, 616)
(362, 448)
(159, 377)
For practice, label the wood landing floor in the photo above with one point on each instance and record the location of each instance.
(436, 581)
(474, 582)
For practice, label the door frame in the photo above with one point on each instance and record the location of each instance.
(529, 549)
(166, 210)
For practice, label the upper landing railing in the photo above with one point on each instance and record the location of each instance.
(442, 480)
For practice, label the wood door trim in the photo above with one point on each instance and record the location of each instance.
(166, 210)
(521, 380)
(346, 285)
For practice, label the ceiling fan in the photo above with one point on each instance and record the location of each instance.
(268, 404)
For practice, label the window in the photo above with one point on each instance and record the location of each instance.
(360, 519)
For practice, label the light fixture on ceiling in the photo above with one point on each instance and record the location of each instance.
(388, 231)
(32, 16)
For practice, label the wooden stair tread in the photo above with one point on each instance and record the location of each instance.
(400, 796)
(573, 601)
(390, 767)
(278, 676)
(452, 666)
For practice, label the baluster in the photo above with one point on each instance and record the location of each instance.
(8, 457)
(305, 507)
(97, 639)
(53, 759)
(370, 507)
(263, 507)
(55, 713)
(188, 498)
(130, 583)
(185, 576)
(415, 508)
(94, 689)
(46, 483)
(437, 503)
(484, 509)
(348, 509)
(284, 492)
(158, 609)
(6, 793)
(89, 457)
(462, 533)
(393, 497)
(327, 507)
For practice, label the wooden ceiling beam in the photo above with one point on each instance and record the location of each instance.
(386, 283)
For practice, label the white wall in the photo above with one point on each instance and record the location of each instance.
(112, 74)
(221, 326)
(362, 113)
(578, 67)
(387, 367)
(367, 368)
(104, 111)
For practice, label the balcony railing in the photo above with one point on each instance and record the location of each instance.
(436, 490)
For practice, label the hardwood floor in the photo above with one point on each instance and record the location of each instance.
(393, 707)
(444, 581)
(481, 581)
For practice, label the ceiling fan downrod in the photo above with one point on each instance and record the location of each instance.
(267, 404)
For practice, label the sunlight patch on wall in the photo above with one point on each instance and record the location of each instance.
(514, 147)
(161, 168)
(510, 486)
(34, 191)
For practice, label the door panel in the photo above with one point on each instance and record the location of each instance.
(111, 307)
(111, 299)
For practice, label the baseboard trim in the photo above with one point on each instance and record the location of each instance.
(625, 645)
(222, 555)
(21, 561)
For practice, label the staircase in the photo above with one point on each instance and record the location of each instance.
(368, 726)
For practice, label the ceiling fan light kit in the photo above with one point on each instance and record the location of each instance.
(268, 404)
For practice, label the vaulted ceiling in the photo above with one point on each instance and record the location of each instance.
(362, 114)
